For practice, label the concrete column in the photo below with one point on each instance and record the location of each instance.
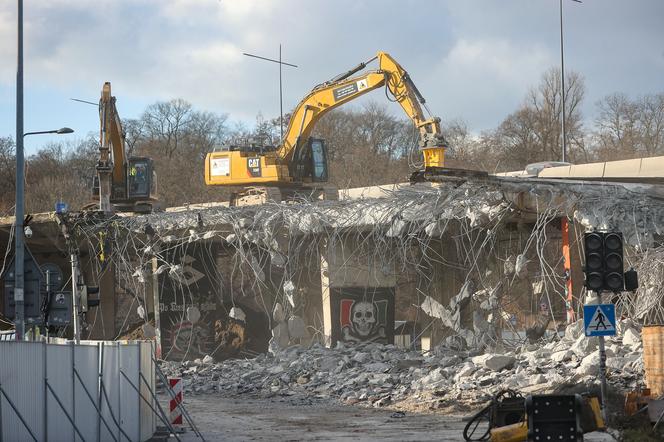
(325, 296)
(352, 264)
(152, 293)
(104, 326)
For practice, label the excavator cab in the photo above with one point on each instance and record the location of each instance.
(141, 182)
(139, 194)
(309, 163)
(319, 172)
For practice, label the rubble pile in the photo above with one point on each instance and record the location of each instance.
(381, 375)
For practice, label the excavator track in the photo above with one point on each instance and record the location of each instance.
(252, 196)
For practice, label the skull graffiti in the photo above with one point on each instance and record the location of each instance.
(363, 315)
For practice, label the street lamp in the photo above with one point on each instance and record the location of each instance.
(19, 256)
(562, 80)
(62, 130)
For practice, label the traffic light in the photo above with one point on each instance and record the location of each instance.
(614, 280)
(594, 269)
(604, 261)
(87, 302)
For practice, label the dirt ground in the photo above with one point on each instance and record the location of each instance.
(295, 419)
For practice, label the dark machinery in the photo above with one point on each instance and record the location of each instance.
(123, 184)
(510, 417)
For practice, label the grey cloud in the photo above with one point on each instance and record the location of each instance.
(473, 60)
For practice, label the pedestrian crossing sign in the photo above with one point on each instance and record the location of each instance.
(599, 319)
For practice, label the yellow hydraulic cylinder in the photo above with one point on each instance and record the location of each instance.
(510, 433)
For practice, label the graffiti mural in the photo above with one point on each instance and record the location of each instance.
(188, 303)
(363, 315)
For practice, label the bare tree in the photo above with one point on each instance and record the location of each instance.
(627, 128)
(7, 174)
(651, 123)
(165, 123)
(463, 147)
(60, 171)
(134, 133)
(533, 132)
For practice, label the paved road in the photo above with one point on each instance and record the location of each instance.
(292, 419)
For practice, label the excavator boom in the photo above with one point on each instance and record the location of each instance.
(298, 157)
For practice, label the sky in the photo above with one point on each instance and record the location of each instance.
(473, 60)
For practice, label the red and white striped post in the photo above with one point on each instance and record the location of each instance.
(176, 414)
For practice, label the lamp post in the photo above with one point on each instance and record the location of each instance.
(562, 81)
(19, 282)
(19, 255)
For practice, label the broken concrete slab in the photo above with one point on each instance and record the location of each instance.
(631, 338)
(494, 362)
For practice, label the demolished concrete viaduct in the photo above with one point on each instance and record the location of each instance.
(474, 262)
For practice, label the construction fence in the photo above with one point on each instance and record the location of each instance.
(95, 391)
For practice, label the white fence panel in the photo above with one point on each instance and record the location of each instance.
(130, 364)
(110, 362)
(60, 377)
(148, 424)
(26, 367)
(86, 360)
(22, 379)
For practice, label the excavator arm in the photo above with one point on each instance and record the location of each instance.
(294, 161)
(342, 89)
(111, 140)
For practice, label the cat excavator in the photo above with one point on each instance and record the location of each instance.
(299, 164)
(124, 184)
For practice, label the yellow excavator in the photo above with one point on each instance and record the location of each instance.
(301, 161)
(123, 184)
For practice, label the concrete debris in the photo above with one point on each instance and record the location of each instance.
(297, 329)
(435, 309)
(562, 356)
(289, 290)
(278, 313)
(632, 339)
(521, 267)
(380, 375)
(149, 331)
(509, 266)
(396, 229)
(193, 314)
(280, 336)
(462, 298)
(584, 345)
(494, 362)
(238, 314)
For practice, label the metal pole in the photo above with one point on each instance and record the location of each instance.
(100, 371)
(20, 167)
(45, 404)
(72, 349)
(562, 83)
(602, 372)
(2, 438)
(281, 100)
(157, 306)
(74, 294)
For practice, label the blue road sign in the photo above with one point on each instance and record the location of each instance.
(599, 319)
